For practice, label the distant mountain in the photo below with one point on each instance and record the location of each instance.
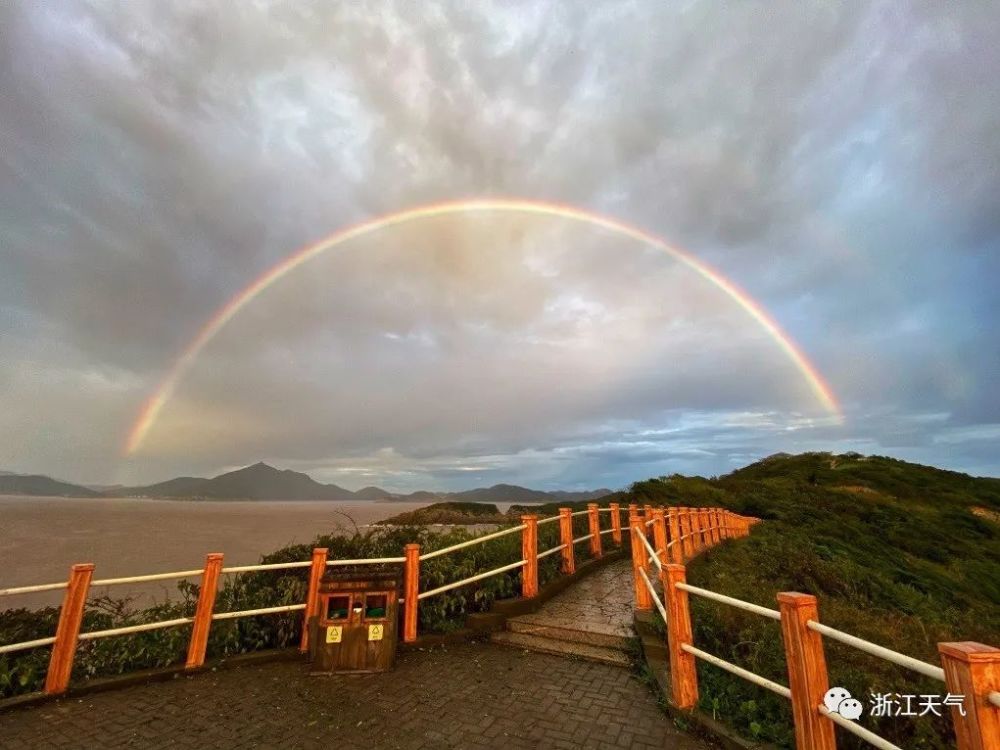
(257, 482)
(263, 482)
(35, 484)
(501, 493)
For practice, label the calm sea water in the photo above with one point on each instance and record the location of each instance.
(40, 537)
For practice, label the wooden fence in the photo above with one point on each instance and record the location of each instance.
(661, 538)
(969, 669)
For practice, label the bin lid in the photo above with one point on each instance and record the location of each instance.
(380, 575)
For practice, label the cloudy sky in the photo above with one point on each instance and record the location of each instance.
(840, 162)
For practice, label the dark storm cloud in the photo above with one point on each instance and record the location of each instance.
(837, 161)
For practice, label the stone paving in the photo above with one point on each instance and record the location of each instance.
(468, 696)
(601, 603)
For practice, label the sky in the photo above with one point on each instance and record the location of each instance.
(838, 162)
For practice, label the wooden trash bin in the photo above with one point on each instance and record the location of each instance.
(357, 620)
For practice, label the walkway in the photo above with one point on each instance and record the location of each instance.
(592, 619)
(468, 696)
(601, 603)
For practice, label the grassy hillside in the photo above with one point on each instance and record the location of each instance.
(450, 512)
(900, 554)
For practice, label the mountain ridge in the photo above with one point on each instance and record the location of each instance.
(260, 481)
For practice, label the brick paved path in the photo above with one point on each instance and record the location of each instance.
(468, 696)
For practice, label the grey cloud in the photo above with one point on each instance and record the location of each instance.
(836, 161)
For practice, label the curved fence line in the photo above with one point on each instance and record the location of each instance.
(802, 637)
(660, 539)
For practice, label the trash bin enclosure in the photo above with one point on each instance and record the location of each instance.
(355, 628)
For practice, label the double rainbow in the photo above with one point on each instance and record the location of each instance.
(154, 404)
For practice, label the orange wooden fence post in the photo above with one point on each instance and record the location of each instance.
(203, 611)
(529, 553)
(68, 629)
(687, 545)
(696, 530)
(647, 516)
(973, 670)
(411, 591)
(676, 551)
(594, 529)
(807, 677)
(716, 516)
(726, 532)
(616, 524)
(659, 532)
(706, 529)
(683, 670)
(642, 598)
(316, 571)
(566, 540)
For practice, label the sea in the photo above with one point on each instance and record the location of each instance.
(41, 537)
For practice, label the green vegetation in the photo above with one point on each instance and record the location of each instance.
(902, 555)
(24, 672)
(894, 552)
(451, 513)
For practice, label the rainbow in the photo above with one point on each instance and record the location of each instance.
(155, 403)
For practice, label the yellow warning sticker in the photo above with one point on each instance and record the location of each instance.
(334, 633)
(375, 632)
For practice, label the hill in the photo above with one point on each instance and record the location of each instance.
(450, 513)
(264, 482)
(900, 554)
(500, 493)
(35, 484)
(257, 482)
